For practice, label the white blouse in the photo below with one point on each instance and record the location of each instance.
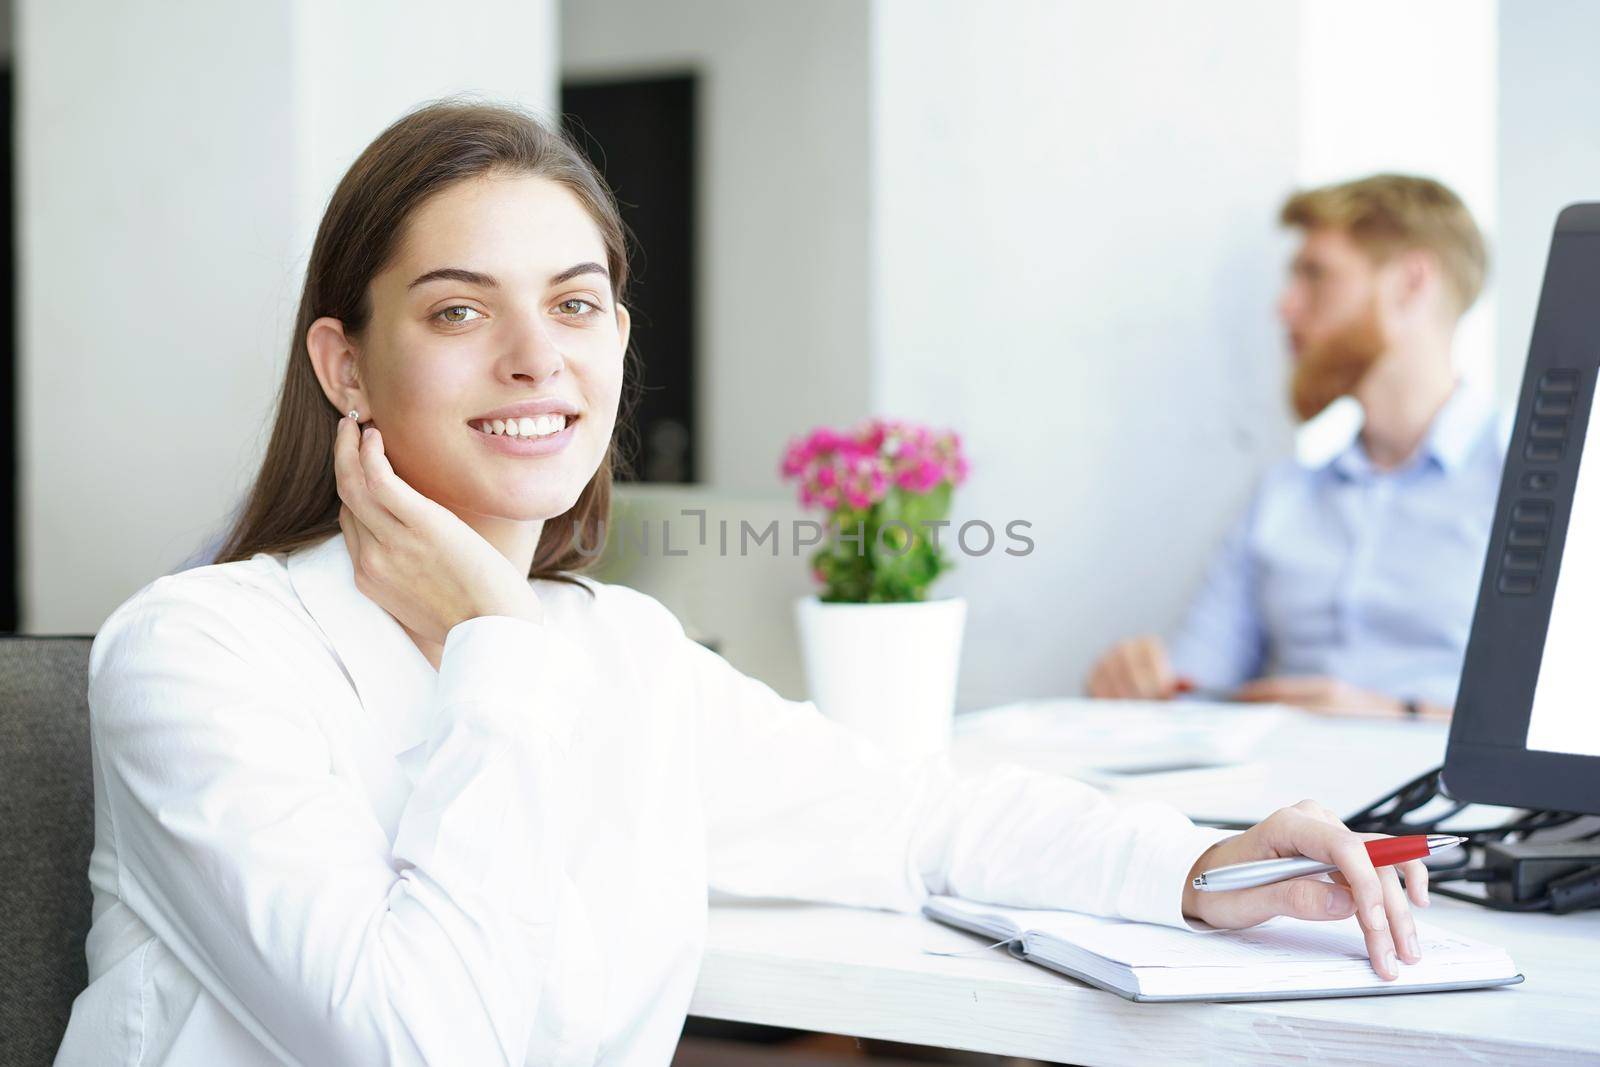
(312, 847)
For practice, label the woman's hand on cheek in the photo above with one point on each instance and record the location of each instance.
(413, 557)
(1373, 895)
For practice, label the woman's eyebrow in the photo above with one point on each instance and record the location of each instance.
(577, 269)
(488, 281)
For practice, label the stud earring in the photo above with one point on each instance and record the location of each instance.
(355, 415)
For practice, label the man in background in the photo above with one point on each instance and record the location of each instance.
(1349, 586)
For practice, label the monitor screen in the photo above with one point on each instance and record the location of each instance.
(1566, 693)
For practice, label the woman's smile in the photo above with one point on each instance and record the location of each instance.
(537, 436)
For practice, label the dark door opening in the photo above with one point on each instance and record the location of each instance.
(639, 133)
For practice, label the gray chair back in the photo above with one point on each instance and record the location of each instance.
(46, 832)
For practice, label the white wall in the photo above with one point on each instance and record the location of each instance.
(1075, 262)
(172, 167)
(1044, 225)
(1408, 85)
(1048, 224)
(784, 284)
(1549, 150)
(154, 243)
(1073, 254)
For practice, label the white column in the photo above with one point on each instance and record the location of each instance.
(1549, 151)
(1409, 87)
(1075, 259)
(173, 162)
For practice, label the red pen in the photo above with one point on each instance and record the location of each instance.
(1186, 687)
(1385, 852)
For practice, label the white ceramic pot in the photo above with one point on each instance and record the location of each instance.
(886, 670)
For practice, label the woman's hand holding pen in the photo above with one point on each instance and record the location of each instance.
(1373, 894)
(412, 556)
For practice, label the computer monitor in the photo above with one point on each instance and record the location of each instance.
(1526, 731)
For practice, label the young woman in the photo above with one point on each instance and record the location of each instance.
(389, 783)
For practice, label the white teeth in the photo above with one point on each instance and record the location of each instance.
(537, 426)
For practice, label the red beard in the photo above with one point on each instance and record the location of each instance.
(1334, 367)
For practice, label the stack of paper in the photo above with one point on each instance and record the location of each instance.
(1123, 745)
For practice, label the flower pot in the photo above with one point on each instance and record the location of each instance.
(885, 670)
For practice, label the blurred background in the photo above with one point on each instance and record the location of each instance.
(1048, 224)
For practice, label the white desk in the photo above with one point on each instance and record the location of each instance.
(840, 970)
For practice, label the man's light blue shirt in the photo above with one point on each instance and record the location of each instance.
(1360, 574)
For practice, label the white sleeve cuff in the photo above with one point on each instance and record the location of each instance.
(509, 669)
(1158, 871)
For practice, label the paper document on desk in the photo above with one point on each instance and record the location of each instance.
(1282, 959)
(1125, 744)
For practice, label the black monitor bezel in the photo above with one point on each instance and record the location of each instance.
(1487, 759)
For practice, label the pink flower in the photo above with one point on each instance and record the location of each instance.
(825, 440)
(857, 469)
(870, 435)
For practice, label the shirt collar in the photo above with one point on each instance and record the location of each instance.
(1448, 442)
(393, 679)
(1458, 425)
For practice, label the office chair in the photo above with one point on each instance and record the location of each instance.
(46, 832)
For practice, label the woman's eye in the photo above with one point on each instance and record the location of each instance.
(574, 305)
(449, 314)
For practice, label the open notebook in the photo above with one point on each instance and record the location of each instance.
(1283, 959)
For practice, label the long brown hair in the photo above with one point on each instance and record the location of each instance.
(294, 500)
